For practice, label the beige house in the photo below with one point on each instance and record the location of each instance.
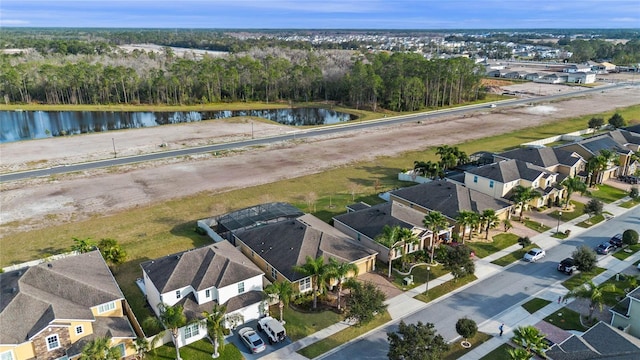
(50, 311)
(566, 163)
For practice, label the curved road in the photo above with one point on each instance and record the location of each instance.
(295, 134)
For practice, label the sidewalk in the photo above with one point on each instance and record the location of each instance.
(405, 304)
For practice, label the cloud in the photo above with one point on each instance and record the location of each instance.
(11, 22)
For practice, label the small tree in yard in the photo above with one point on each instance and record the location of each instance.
(630, 237)
(617, 121)
(457, 260)
(416, 342)
(524, 241)
(593, 207)
(596, 123)
(466, 328)
(365, 302)
(584, 258)
(634, 194)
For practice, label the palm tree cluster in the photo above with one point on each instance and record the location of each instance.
(396, 238)
(450, 157)
(597, 164)
(321, 273)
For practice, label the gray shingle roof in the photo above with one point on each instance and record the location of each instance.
(599, 142)
(217, 265)
(544, 157)
(601, 341)
(288, 243)
(62, 289)
(449, 198)
(509, 170)
(370, 221)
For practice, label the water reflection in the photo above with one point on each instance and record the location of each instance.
(25, 125)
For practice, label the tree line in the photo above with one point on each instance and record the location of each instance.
(399, 82)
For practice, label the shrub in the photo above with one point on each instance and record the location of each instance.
(584, 258)
(634, 193)
(630, 237)
(466, 328)
(524, 241)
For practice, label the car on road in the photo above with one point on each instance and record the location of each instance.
(273, 329)
(252, 340)
(604, 248)
(567, 266)
(616, 240)
(492, 105)
(534, 255)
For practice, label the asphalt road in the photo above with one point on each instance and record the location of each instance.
(492, 296)
(294, 134)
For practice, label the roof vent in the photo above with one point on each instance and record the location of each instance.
(177, 257)
(291, 248)
(301, 227)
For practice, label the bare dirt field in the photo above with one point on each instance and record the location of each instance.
(39, 203)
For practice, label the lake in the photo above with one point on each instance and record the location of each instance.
(27, 125)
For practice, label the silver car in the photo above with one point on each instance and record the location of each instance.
(534, 255)
(252, 340)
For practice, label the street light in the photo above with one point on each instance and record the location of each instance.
(428, 273)
(559, 216)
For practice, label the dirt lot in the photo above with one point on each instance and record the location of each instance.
(39, 203)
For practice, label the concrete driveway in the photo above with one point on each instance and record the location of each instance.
(235, 339)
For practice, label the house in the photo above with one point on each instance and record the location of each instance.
(626, 314)
(199, 278)
(581, 77)
(514, 75)
(567, 163)
(51, 310)
(279, 246)
(500, 178)
(552, 79)
(573, 68)
(532, 76)
(449, 198)
(601, 341)
(366, 224)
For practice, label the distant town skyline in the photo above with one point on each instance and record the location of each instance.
(324, 14)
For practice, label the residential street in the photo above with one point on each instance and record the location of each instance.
(490, 299)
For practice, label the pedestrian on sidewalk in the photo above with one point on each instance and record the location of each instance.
(501, 328)
(559, 299)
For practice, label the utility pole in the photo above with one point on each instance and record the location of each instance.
(115, 155)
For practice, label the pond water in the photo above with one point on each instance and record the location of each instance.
(27, 125)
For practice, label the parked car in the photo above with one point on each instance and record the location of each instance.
(534, 255)
(616, 240)
(604, 248)
(567, 266)
(252, 340)
(272, 327)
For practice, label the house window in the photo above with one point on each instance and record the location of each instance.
(178, 295)
(305, 284)
(106, 307)
(53, 342)
(491, 184)
(240, 287)
(79, 330)
(274, 273)
(191, 330)
(475, 179)
(121, 349)
(207, 293)
(7, 355)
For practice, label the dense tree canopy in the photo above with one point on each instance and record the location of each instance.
(416, 341)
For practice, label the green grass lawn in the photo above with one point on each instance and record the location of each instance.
(577, 210)
(445, 288)
(580, 278)
(419, 276)
(199, 350)
(500, 241)
(626, 251)
(534, 225)
(624, 282)
(514, 256)
(566, 319)
(534, 305)
(591, 221)
(300, 325)
(560, 235)
(499, 353)
(456, 350)
(608, 194)
(318, 348)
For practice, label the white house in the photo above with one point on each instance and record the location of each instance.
(198, 278)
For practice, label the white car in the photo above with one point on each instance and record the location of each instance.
(252, 340)
(534, 255)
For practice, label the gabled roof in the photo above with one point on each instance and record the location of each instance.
(544, 156)
(193, 310)
(634, 129)
(599, 142)
(217, 265)
(449, 198)
(601, 341)
(62, 289)
(370, 221)
(510, 170)
(624, 137)
(288, 243)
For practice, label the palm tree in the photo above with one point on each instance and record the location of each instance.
(573, 184)
(427, 169)
(490, 221)
(112, 252)
(100, 349)
(284, 291)
(141, 347)
(435, 222)
(530, 338)
(83, 245)
(466, 219)
(316, 269)
(591, 292)
(522, 195)
(597, 164)
(394, 238)
(215, 327)
(171, 319)
(519, 354)
(340, 271)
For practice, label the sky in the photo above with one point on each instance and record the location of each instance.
(322, 14)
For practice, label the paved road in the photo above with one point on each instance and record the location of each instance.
(299, 134)
(488, 298)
